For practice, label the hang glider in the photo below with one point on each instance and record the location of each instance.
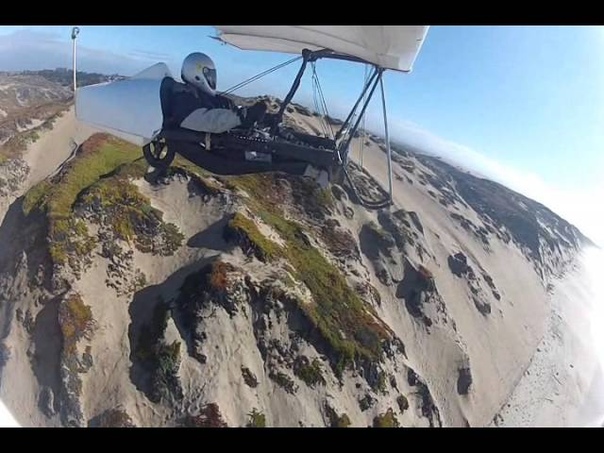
(388, 47)
(137, 107)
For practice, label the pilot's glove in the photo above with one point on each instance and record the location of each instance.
(270, 119)
(254, 114)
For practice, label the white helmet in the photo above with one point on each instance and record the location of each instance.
(198, 70)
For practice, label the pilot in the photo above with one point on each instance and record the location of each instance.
(195, 105)
(198, 107)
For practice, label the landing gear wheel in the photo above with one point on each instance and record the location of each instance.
(158, 154)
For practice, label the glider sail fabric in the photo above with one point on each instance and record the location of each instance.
(390, 47)
(130, 109)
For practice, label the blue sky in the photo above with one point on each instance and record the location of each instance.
(523, 105)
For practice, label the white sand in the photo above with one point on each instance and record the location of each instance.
(55, 146)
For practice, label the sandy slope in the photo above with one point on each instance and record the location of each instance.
(521, 357)
(19, 385)
(498, 348)
(539, 356)
(54, 147)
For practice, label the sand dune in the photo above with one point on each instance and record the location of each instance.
(493, 320)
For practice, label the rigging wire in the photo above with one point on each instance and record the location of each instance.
(320, 104)
(321, 107)
(318, 108)
(260, 75)
(370, 204)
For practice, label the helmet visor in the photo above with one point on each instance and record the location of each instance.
(210, 75)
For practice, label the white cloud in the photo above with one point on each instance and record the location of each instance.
(581, 206)
(31, 49)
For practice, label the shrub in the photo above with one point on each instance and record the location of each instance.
(335, 420)
(309, 372)
(249, 377)
(402, 402)
(386, 420)
(245, 233)
(112, 418)
(283, 381)
(75, 321)
(208, 417)
(257, 419)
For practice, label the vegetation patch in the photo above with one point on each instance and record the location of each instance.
(429, 409)
(218, 275)
(375, 241)
(210, 285)
(71, 244)
(398, 225)
(205, 182)
(116, 204)
(368, 291)
(366, 402)
(339, 241)
(98, 156)
(271, 190)
(160, 360)
(112, 418)
(208, 417)
(386, 420)
(19, 141)
(76, 322)
(403, 403)
(349, 326)
(97, 183)
(309, 372)
(256, 419)
(380, 383)
(284, 381)
(249, 377)
(335, 420)
(139, 282)
(243, 231)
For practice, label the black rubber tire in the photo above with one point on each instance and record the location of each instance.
(153, 154)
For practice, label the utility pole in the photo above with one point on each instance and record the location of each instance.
(74, 34)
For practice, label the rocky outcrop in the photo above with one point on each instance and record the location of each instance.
(418, 289)
(464, 381)
(458, 264)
